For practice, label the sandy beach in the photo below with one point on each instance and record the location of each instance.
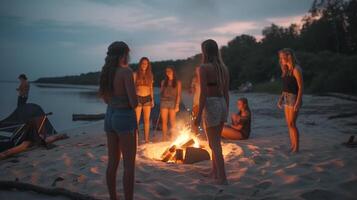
(258, 168)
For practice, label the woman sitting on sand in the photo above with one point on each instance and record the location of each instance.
(291, 96)
(240, 128)
(144, 79)
(117, 89)
(170, 97)
(213, 105)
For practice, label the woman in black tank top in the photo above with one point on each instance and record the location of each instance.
(291, 96)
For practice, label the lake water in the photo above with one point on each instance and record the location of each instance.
(62, 100)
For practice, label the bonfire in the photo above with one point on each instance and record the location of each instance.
(186, 148)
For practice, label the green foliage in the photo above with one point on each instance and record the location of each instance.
(326, 46)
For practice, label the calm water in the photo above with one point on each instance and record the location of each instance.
(62, 100)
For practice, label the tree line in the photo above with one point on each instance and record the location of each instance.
(325, 43)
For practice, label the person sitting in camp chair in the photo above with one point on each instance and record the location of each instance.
(240, 128)
(32, 136)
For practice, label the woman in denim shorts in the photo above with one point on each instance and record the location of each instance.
(144, 80)
(170, 97)
(291, 96)
(117, 89)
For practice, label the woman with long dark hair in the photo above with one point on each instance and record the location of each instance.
(213, 104)
(117, 89)
(144, 79)
(292, 93)
(170, 97)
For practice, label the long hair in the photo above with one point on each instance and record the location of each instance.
(245, 102)
(23, 76)
(211, 54)
(174, 80)
(145, 76)
(291, 54)
(116, 51)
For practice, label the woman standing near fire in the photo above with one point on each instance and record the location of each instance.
(170, 97)
(291, 96)
(117, 89)
(144, 79)
(213, 104)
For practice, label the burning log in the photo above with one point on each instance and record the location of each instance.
(185, 149)
(194, 155)
(179, 156)
(188, 143)
(168, 153)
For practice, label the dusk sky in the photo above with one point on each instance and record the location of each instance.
(68, 37)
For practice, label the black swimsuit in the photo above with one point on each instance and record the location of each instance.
(290, 84)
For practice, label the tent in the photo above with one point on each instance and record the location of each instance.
(27, 122)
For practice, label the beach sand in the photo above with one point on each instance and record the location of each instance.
(258, 168)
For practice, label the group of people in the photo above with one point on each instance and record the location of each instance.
(128, 94)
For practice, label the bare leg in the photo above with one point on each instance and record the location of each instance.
(295, 130)
(138, 110)
(291, 117)
(164, 116)
(172, 116)
(54, 138)
(128, 149)
(232, 134)
(113, 162)
(214, 139)
(147, 110)
(15, 150)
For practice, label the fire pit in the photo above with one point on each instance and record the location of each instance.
(185, 149)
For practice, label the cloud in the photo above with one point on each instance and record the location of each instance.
(130, 17)
(79, 31)
(236, 27)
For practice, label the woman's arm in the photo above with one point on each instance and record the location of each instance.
(203, 94)
(300, 83)
(130, 88)
(162, 86)
(192, 88)
(226, 90)
(134, 76)
(235, 119)
(178, 98)
(280, 101)
(152, 94)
